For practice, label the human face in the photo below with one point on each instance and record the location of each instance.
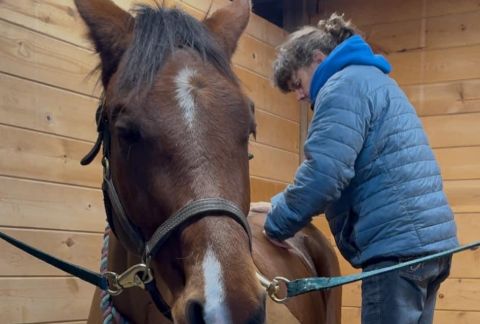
(302, 78)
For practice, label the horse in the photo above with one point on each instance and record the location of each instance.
(175, 127)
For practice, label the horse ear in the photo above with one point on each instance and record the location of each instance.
(228, 23)
(110, 29)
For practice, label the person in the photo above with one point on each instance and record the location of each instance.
(368, 166)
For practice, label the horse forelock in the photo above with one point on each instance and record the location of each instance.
(158, 33)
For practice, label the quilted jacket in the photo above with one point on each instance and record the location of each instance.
(368, 167)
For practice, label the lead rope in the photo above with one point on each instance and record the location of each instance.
(109, 312)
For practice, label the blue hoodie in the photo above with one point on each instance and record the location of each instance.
(352, 51)
(368, 166)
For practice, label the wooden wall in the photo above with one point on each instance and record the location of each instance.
(434, 47)
(47, 106)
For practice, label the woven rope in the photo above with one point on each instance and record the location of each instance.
(110, 314)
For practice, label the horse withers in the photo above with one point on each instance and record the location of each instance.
(175, 127)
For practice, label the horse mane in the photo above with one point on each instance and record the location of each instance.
(158, 32)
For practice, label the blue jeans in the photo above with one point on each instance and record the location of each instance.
(405, 296)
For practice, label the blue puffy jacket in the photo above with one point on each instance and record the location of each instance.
(368, 166)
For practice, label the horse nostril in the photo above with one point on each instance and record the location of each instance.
(194, 312)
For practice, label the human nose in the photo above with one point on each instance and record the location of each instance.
(301, 95)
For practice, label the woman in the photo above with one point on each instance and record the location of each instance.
(368, 167)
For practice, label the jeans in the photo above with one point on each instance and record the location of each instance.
(405, 296)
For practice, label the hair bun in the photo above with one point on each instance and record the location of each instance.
(337, 26)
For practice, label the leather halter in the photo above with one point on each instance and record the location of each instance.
(130, 235)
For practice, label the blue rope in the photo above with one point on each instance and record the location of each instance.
(302, 286)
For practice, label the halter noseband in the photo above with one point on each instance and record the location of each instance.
(140, 274)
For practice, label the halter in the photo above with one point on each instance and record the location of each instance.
(130, 235)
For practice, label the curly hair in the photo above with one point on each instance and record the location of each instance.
(296, 52)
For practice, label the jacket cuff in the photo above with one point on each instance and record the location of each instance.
(279, 215)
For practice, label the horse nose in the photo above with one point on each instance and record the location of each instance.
(194, 312)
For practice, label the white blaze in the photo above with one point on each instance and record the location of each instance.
(215, 307)
(184, 93)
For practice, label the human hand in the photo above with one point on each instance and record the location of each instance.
(260, 207)
(282, 244)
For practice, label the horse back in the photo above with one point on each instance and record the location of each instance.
(310, 255)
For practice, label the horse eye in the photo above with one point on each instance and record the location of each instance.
(129, 133)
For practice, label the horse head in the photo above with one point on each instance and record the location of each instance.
(178, 127)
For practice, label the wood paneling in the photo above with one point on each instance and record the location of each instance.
(453, 130)
(445, 98)
(463, 195)
(267, 97)
(446, 7)
(272, 163)
(263, 189)
(46, 157)
(351, 315)
(34, 204)
(37, 57)
(456, 30)
(459, 163)
(27, 300)
(430, 66)
(35, 106)
(373, 11)
(277, 132)
(79, 248)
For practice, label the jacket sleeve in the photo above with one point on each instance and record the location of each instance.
(336, 136)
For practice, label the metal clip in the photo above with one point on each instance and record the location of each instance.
(273, 287)
(135, 276)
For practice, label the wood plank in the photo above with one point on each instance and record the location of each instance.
(454, 294)
(78, 248)
(272, 163)
(277, 132)
(57, 18)
(431, 33)
(459, 163)
(46, 157)
(430, 66)
(466, 264)
(453, 130)
(266, 97)
(452, 30)
(372, 11)
(263, 189)
(32, 204)
(26, 299)
(445, 98)
(352, 315)
(255, 56)
(41, 58)
(446, 7)
(395, 36)
(463, 195)
(39, 107)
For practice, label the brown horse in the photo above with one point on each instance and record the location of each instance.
(175, 128)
